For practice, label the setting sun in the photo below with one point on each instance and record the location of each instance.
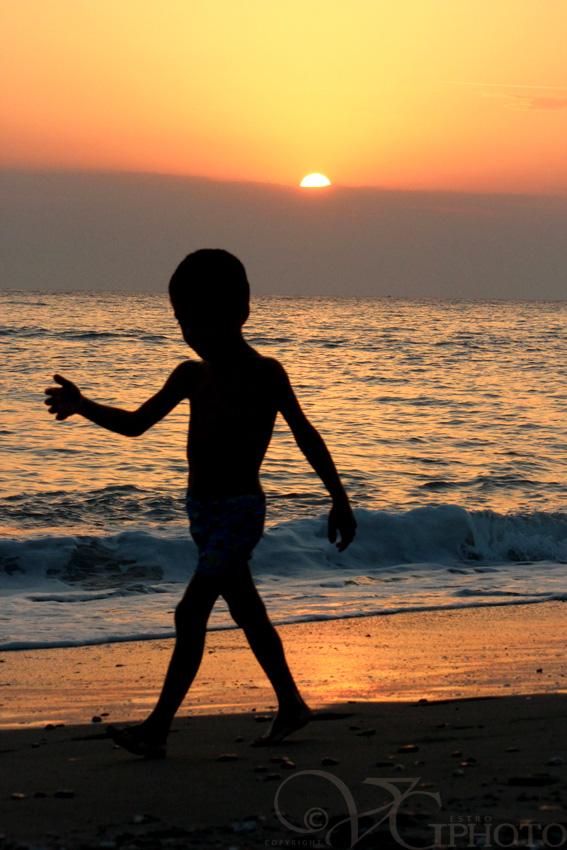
(315, 181)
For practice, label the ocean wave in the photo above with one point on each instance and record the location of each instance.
(442, 534)
(110, 505)
(76, 590)
(31, 331)
(486, 482)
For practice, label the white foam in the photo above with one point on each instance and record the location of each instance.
(71, 590)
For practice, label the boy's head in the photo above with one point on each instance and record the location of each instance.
(209, 287)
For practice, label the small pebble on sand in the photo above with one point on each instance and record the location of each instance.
(536, 780)
(144, 818)
(228, 757)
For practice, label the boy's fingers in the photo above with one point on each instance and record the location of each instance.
(63, 381)
(347, 536)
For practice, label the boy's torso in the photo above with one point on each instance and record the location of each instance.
(233, 410)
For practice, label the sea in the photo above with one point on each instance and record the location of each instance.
(446, 419)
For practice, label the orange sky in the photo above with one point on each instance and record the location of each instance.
(444, 94)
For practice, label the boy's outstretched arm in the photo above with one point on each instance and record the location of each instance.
(341, 518)
(66, 400)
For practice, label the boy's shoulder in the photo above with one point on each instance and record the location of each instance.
(273, 373)
(269, 368)
(273, 367)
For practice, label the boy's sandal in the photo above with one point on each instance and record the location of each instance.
(132, 740)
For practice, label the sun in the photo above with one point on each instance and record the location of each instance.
(315, 181)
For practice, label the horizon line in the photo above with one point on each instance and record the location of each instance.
(362, 187)
(293, 296)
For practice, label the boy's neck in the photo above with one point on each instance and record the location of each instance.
(234, 348)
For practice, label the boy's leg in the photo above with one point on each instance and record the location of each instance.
(249, 612)
(191, 616)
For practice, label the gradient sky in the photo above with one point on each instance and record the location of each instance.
(414, 94)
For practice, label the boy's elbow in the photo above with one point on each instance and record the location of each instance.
(308, 437)
(131, 432)
(136, 426)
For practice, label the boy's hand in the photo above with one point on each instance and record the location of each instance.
(341, 519)
(65, 400)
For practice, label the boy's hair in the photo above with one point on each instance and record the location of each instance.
(210, 283)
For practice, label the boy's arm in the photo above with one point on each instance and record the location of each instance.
(313, 447)
(67, 400)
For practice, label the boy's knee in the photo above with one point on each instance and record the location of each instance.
(192, 611)
(180, 617)
(186, 617)
(248, 615)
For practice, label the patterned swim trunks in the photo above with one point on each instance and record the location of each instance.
(225, 531)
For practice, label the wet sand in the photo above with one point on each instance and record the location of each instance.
(469, 705)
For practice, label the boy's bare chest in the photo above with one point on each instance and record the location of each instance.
(230, 397)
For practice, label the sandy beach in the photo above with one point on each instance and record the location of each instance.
(467, 705)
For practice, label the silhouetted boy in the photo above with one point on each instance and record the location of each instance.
(235, 395)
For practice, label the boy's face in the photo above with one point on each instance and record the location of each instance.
(208, 339)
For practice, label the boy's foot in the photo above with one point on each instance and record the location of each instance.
(139, 740)
(284, 723)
